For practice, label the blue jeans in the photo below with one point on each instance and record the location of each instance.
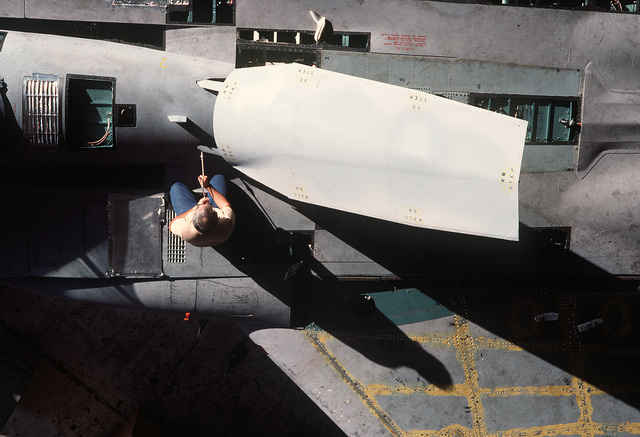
(183, 199)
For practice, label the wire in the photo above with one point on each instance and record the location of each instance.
(104, 137)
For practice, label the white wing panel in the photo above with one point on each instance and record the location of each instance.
(373, 149)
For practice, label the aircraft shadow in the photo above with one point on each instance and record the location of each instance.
(345, 310)
(10, 131)
(503, 286)
(261, 250)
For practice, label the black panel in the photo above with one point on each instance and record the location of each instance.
(135, 235)
(126, 115)
(89, 111)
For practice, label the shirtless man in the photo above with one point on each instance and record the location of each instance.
(207, 222)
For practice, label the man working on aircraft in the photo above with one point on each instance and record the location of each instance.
(208, 222)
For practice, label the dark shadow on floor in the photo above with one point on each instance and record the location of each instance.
(503, 286)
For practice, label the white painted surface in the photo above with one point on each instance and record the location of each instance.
(373, 149)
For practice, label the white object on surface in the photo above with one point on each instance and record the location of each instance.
(373, 149)
(210, 85)
(177, 118)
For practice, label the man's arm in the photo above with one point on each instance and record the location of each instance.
(183, 215)
(218, 198)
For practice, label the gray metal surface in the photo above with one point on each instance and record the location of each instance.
(601, 209)
(133, 220)
(609, 119)
(552, 39)
(487, 370)
(456, 78)
(99, 364)
(503, 373)
(438, 75)
(208, 42)
(18, 360)
(469, 31)
(47, 244)
(12, 8)
(153, 138)
(136, 11)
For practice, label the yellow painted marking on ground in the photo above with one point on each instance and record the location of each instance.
(496, 343)
(449, 431)
(432, 390)
(560, 390)
(319, 339)
(467, 347)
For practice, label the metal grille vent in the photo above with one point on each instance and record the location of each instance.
(457, 96)
(176, 246)
(41, 110)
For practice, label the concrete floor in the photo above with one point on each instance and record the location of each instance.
(100, 364)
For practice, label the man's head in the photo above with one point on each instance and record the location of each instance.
(205, 219)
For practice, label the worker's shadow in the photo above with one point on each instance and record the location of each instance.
(281, 262)
(10, 131)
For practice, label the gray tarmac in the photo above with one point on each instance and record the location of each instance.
(92, 367)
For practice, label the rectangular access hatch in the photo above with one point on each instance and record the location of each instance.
(552, 120)
(135, 234)
(90, 112)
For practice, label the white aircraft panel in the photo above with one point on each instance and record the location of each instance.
(374, 149)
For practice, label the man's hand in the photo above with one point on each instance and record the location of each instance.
(203, 201)
(204, 181)
(218, 198)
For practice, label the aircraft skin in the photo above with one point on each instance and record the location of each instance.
(156, 139)
(411, 163)
(289, 260)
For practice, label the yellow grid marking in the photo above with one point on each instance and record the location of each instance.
(467, 346)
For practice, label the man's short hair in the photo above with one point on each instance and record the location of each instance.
(205, 220)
